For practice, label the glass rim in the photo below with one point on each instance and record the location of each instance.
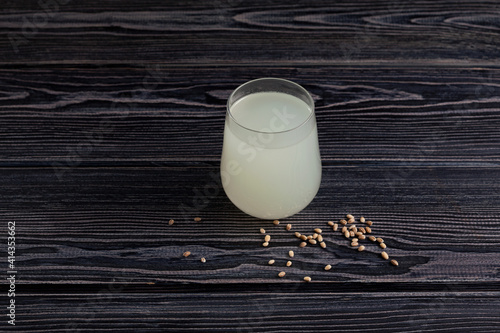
(309, 97)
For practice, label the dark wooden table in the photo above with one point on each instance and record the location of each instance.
(111, 124)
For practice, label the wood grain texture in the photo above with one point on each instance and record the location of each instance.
(144, 115)
(440, 223)
(111, 121)
(266, 31)
(271, 311)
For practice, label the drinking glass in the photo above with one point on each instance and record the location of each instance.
(270, 165)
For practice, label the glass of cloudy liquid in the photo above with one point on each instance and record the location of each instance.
(271, 165)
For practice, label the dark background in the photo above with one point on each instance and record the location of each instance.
(111, 124)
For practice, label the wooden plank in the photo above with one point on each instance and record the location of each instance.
(440, 223)
(234, 31)
(154, 114)
(272, 311)
(111, 120)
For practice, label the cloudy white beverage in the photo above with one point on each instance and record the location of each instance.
(271, 166)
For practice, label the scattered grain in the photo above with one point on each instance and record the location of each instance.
(328, 267)
(344, 229)
(362, 219)
(288, 227)
(315, 236)
(309, 237)
(335, 226)
(271, 262)
(276, 222)
(267, 238)
(320, 238)
(368, 230)
(297, 234)
(203, 260)
(384, 255)
(186, 254)
(361, 248)
(349, 216)
(363, 230)
(197, 219)
(382, 245)
(394, 262)
(291, 253)
(303, 244)
(303, 237)
(288, 263)
(323, 245)
(354, 244)
(330, 223)
(369, 223)
(313, 241)
(361, 236)
(171, 222)
(318, 230)
(262, 230)
(372, 238)
(351, 233)
(281, 274)
(265, 244)
(307, 279)
(343, 222)
(380, 240)
(347, 234)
